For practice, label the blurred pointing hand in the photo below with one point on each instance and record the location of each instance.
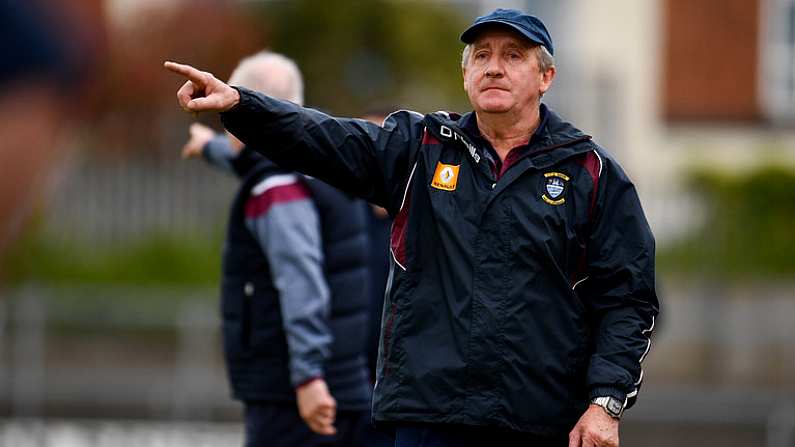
(199, 136)
(203, 92)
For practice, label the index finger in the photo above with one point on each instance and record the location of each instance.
(185, 70)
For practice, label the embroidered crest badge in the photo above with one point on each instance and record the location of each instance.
(555, 184)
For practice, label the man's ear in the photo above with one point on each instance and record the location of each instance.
(546, 79)
(464, 74)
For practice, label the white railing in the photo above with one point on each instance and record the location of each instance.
(109, 202)
(151, 352)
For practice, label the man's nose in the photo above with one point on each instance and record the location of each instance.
(495, 68)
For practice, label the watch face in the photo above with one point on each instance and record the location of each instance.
(614, 406)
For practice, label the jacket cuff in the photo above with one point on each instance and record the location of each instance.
(607, 391)
(307, 382)
(237, 108)
(304, 371)
(245, 98)
(240, 93)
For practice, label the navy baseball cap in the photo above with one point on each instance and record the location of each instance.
(529, 26)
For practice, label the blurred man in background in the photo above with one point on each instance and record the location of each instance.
(522, 293)
(294, 292)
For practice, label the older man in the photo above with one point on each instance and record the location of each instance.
(522, 295)
(295, 302)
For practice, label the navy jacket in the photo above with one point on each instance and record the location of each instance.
(512, 300)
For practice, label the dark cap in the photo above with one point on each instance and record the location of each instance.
(529, 26)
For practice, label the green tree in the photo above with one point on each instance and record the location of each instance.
(748, 230)
(358, 54)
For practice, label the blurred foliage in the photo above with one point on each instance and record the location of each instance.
(157, 260)
(355, 55)
(748, 231)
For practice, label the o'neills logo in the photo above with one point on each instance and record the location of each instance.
(448, 133)
(555, 187)
(445, 177)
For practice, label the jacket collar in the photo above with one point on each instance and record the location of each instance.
(554, 140)
(469, 123)
(552, 131)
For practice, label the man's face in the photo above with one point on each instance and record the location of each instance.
(502, 74)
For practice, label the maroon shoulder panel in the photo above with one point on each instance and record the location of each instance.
(427, 138)
(593, 165)
(398, 233)
(258, 205)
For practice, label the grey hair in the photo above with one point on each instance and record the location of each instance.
(465, 55)
(544, 58)
(270, 73)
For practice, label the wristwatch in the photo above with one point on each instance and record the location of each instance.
(611, 405)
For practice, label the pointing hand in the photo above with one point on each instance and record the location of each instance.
(203, 92)
(200, 135)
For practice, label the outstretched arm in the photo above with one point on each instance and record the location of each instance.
(356, 156)
(214, 148)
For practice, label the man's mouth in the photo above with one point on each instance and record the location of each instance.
(494, 87)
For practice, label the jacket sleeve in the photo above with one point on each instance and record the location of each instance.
(356, 156)
(619, 289)
(218, 152)
(282, 217)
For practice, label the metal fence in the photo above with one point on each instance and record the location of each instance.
(116, 433)
(145, 352)
(100, 202)
(721, 371)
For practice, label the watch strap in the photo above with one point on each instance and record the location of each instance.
(611, 405)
